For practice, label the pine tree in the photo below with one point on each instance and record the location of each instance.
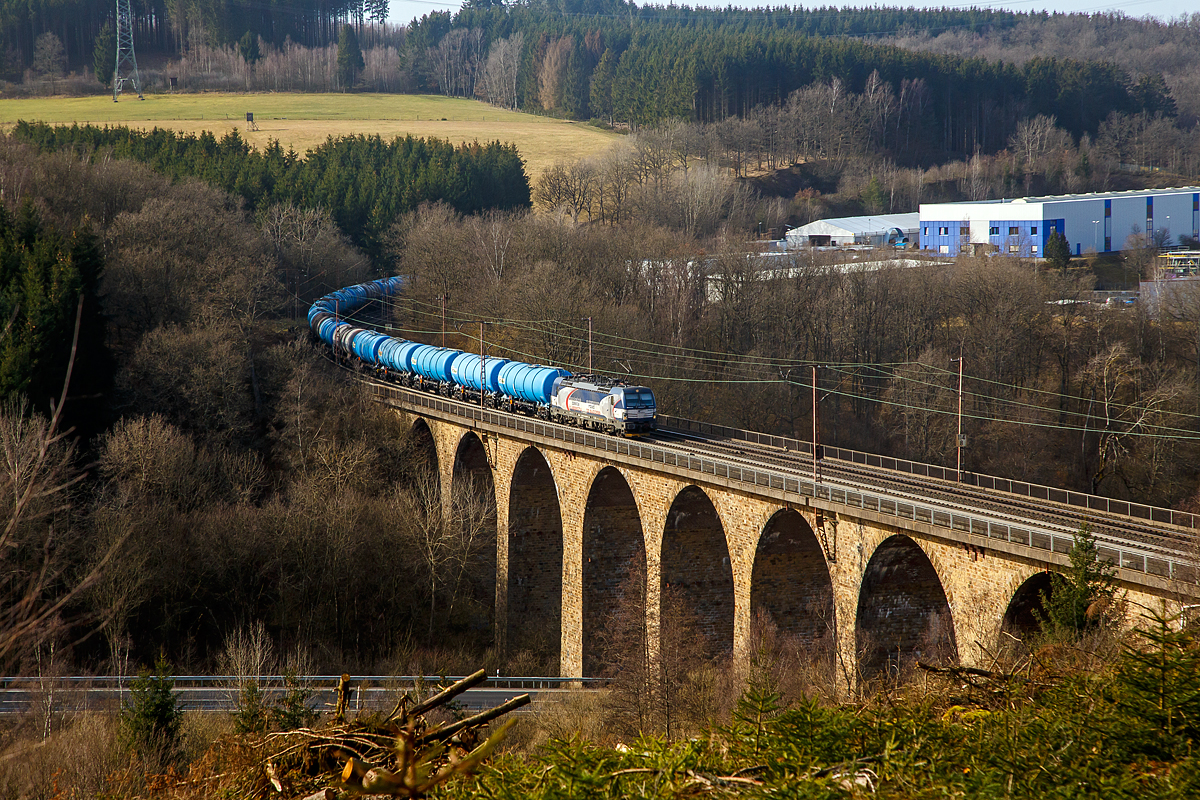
(602, 86)
(1158, 686)
(350, 57)
(760, 703)
(1082, 599)
(1058, 251)
(248, 47)
(104, 54)
(151, 718)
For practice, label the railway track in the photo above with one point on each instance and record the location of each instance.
(1114, 533)
(1165, 541)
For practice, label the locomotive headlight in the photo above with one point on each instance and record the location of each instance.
(619, 413)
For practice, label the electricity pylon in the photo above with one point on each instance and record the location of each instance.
(125, 55)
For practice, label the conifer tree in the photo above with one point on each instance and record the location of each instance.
(350, 57)
(104, 54)
(1058, 251)
(1159, 689)
(1083, 598)
(151, 718)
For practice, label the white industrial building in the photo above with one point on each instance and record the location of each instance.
(1099, 222)
(844, 231)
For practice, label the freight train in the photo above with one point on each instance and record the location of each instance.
(548, 393)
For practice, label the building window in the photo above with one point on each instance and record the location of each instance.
(1033, 231)
(1013, 230)
(964, 232)
(944, 249)
(1014, 248)
(994, 230)
(1033, 248)
(944, 230)
(926, 230)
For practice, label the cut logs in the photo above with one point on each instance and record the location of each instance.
(400, 755)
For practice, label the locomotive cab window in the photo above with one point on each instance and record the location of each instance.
(639, 398)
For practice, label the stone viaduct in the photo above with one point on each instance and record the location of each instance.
(865, 579)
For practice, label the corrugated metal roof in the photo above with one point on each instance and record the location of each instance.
(843, 226)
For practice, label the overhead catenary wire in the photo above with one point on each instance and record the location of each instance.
(712, 359)
(727, 361)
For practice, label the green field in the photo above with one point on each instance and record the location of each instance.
(301, 121)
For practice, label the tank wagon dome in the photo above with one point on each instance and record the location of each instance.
(466, 372)
(530, 382)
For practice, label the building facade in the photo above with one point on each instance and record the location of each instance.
(1099, 222)
(874, 231)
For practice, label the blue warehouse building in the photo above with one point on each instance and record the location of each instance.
(1099, 222)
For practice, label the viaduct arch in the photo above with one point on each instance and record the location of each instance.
(790, 585)
(856, 588)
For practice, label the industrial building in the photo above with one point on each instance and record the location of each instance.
(845, 231)
(1099, 222)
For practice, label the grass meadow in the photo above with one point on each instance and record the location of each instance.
(301, 121)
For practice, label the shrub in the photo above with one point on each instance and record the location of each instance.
(150, 719)
(1084, 599)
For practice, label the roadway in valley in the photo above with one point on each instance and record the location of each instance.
(219, 693)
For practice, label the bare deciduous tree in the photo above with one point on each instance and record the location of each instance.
(450, 542)
(500, 72)
(1126, 400)
(37, 474)
(568, 185)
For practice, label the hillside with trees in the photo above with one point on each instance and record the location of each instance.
(193, 487)
(593, 60)
(222, 427)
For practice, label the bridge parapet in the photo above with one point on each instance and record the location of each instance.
(1102, 505)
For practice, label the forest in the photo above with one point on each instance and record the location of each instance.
(363, 182)
(592, 60)
(194, 488)
(201, 404)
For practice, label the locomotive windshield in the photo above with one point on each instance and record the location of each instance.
(639, 398)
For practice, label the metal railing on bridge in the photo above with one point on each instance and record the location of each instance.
(1091, 502)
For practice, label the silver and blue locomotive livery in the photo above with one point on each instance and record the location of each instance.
(546, 392)
(593, 402)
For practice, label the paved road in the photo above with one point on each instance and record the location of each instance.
(19, 696)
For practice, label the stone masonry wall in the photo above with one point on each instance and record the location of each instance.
(535, 551)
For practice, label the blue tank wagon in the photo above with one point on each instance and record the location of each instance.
(549, 393)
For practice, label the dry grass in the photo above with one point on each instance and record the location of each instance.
(302, 121)
(564, 714)
(72, 763)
